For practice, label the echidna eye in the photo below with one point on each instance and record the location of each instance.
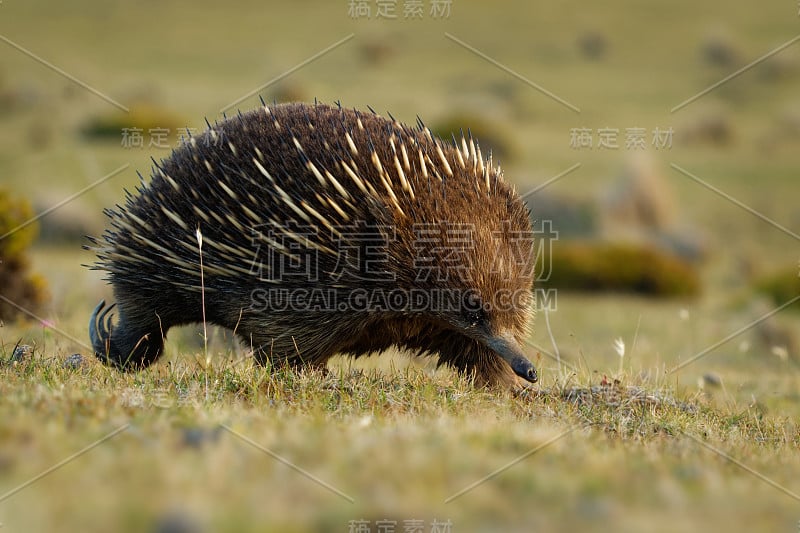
(475, 317)
(472, 308)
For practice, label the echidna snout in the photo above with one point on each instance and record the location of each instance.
(325, 231)
(508, 348)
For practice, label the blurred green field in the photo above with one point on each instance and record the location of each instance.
(400, 439)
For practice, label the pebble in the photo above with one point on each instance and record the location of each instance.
(22, 352)
(74, 362)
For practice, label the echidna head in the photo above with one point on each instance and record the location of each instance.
(490, 279)
(495, 330)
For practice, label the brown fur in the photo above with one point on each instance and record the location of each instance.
(154, 262)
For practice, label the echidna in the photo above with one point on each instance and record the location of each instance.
(324, 231)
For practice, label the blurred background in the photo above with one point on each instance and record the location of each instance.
(674, 196)
(585, 109)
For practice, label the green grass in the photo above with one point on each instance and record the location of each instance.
(399, 438)
(399, 444)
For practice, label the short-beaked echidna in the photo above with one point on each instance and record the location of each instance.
(313, 230)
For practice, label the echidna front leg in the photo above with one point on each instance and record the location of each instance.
(126, 345)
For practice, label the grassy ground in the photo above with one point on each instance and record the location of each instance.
(220, 448)
(391, 438)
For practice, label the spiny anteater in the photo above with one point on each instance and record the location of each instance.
(324, 231)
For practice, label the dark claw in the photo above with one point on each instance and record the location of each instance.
(100, 328)
(112, 344)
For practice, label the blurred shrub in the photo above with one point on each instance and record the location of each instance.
(570, 217)
(68, 224)
(778, 68)
(16, 284)
(620, 267)
(710, 128)
(144, 116)
(376, 50)
(593, 45)
(642, 197)
(721, 51)
(488, 134)
(781, 286)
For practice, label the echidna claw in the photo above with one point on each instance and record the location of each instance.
(100, 329)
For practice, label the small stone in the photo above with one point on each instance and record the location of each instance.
(711, 379)
(176, 522)
(196, 437)
(74, 362)
(22, 352)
